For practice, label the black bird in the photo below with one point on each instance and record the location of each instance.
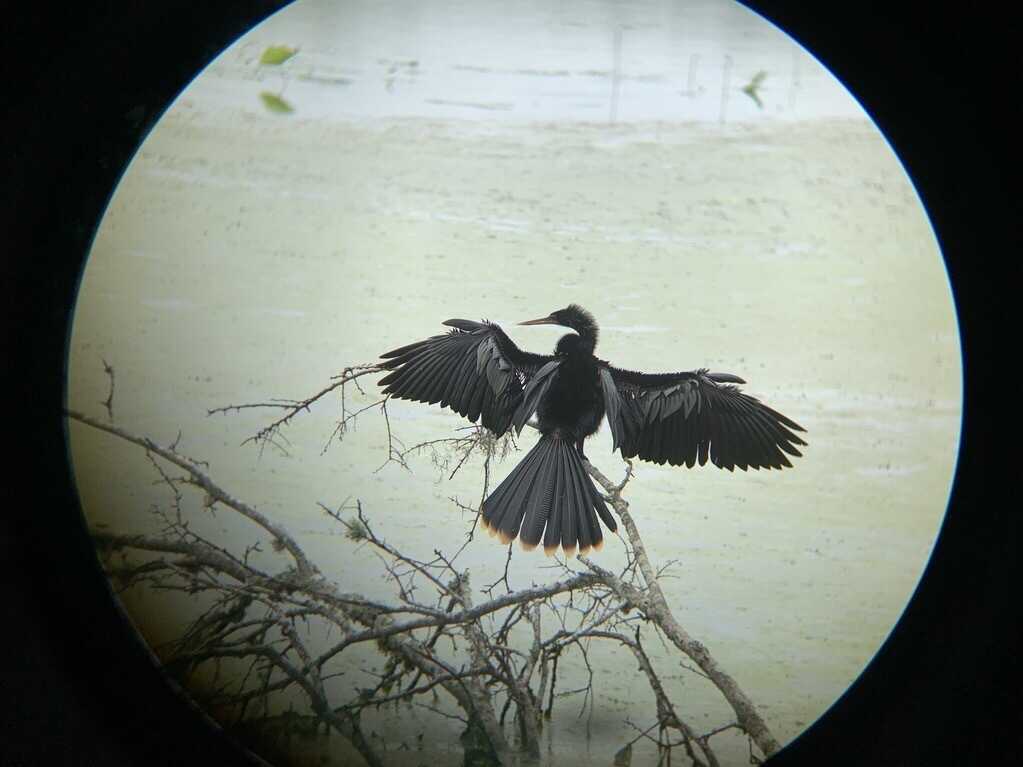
(679, 418)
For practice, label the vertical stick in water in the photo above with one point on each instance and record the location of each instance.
(726, 83)
(694, 63)
(616, 75)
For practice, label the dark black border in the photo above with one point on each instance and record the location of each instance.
(87, 81)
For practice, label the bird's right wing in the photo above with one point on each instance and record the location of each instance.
(475, 370)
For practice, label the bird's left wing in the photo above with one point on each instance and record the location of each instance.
(682, 418)
(475, 370)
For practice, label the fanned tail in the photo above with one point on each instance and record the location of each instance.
(549, 490)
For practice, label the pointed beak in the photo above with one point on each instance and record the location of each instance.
(548, 320)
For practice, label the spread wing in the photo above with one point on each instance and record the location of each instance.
(684, 418)
(475, 370)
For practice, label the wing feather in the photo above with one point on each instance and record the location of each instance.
(689, 417)
(533, 393)
(475, 370)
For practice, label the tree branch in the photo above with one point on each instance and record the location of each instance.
(213, 490)
(253, 612)
(656, 608)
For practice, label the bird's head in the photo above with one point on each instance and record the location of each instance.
(572, 316)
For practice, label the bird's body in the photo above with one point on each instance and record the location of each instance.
(678, 418)
(573, 404)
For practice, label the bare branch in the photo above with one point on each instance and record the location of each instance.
(656, 608)
(213, 490)
(511, 643)
(108, 403)
(293, 407)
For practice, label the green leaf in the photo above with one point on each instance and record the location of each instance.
(275, 55)
(752, 88)
(624, 756)
(275, 103)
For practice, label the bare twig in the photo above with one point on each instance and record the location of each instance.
(108, 403)
(213, 490)
(293, 407)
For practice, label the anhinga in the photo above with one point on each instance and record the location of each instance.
(681, 418)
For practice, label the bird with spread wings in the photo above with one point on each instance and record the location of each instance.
(684, 418)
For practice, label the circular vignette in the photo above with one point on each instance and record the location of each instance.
(953, 553)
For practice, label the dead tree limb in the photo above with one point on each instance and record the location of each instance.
(655, 606)
(512, 642)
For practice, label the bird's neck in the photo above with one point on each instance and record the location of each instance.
(577, 344)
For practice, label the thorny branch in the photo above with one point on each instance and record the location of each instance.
(265, 632)
(270, 433)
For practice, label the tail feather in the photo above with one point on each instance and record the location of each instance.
(505, 513)
(518, 501)
(539, 510)
(552, 537)
(574, 509)
(549, 496)
(583, 531)
(510, 483)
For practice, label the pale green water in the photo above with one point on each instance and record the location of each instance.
(248, 255)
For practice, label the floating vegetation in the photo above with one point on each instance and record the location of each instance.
(752, 88)
(275, 103)
(275, 55)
